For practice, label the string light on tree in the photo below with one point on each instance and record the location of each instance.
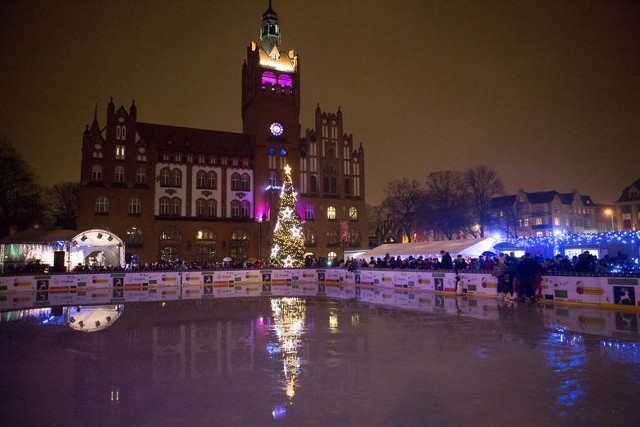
(288, 240)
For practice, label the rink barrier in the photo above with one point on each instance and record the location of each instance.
(593, 291)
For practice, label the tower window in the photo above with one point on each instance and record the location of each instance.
(120, 152)
(268, 78)
(285, 80)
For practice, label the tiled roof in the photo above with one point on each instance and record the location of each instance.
(175, 138)
(625, 196)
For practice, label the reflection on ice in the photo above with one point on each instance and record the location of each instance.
(289, 318)
(92, 318)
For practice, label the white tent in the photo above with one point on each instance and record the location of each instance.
(465, 247)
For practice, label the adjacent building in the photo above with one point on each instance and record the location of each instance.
(627, 208)
(543, 213)
(178, 193)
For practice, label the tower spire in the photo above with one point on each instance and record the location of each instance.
(270, 33)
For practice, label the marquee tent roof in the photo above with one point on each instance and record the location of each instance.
(465, 247)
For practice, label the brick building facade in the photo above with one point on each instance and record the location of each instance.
(173, 192)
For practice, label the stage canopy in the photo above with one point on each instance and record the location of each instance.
(465, 247)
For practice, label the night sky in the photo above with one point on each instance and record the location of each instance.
(547, 93)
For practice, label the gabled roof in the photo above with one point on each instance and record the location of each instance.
(176, 138)
(541, 197)
(626, 193)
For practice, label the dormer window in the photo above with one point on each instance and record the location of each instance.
(119, 152)
(121, 130)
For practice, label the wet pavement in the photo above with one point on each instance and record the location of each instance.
(318, 362)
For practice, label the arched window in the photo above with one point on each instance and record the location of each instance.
(332, 237)
(118, 175)
(205, 254)
(239, 247)
(235, 209)
(102, 205)
(176, 178)
(170, 235)
(165, 177)
(201, 207)
(332, 255)
(141, 176)
(205, 245)
(134, 236)
(310, 238)
(96, 173)
(212, 208)
(268, 78)
(245, 183)
(206, 235)
(212, 180)
(235, 181)
(201, 179)
(331, 213)
(135, 206)
(353, 213)
(175, 206)
(285, 80)
(245, 209)
(164, 205)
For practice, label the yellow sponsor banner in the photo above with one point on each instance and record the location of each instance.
(387, 279)
(169, 279)
(424, 281)
(252, 276)
(21, 283)
(100, 281)
(194, 279)
(592, 291)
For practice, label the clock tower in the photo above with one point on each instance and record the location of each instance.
(271, 108)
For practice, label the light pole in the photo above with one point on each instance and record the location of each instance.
(610, 213)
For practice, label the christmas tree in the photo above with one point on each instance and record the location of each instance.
(287, 249)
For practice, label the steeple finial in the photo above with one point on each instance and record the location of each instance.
(270, 32)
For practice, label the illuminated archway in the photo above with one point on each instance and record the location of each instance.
(93, 242)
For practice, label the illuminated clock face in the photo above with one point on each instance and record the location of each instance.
(276, 129)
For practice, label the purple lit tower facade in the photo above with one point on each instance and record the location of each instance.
(201, 195)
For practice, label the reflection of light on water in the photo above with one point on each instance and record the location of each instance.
(355, 319)
(623, 351)
(289, 317)
(566, 355)
(333, 320)
(278, 412)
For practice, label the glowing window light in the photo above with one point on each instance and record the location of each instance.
(269, 77)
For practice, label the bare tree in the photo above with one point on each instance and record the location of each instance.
(483, 184)
(20, 201)
(64, 200)
(403, 204)
(447, 205)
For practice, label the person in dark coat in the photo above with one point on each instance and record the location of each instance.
(527, 270)
(446, 263)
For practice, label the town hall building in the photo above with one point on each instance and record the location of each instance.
(177, 193)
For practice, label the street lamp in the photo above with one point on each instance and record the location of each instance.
(610, 213)
(261, 219)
